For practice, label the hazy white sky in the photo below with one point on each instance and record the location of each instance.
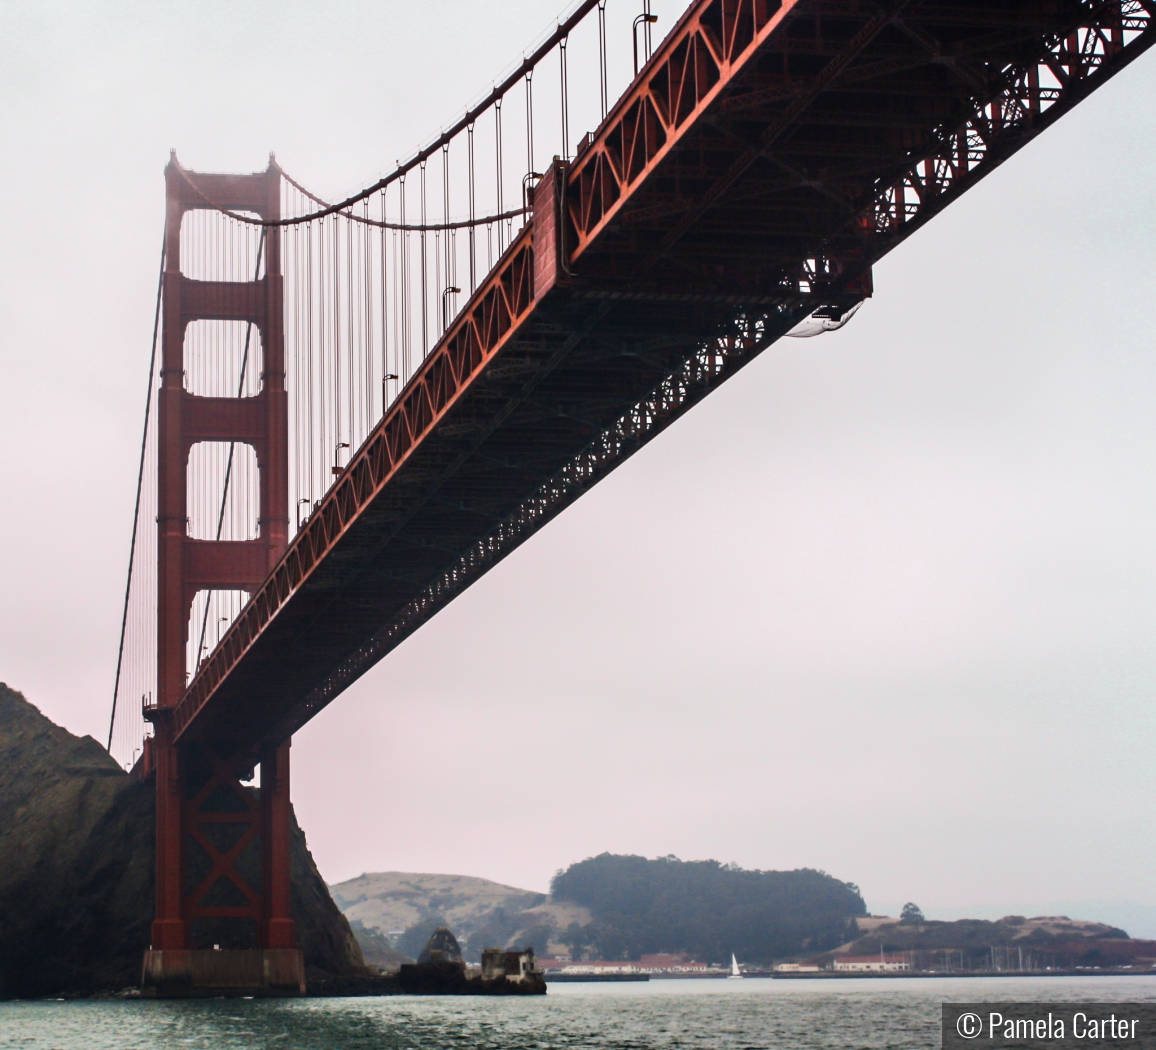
(883, 605)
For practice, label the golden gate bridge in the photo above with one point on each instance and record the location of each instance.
(355, 409)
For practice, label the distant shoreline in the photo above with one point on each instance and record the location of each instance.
(594, 978)
(827, 975)
(842, 975)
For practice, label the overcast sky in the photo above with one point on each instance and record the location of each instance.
(883, 605)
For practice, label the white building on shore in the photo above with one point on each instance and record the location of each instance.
(872, 963)
(647, 964)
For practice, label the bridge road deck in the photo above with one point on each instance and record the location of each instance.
(765, 157)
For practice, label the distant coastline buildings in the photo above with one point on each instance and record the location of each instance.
(648, 964)
(872, 963)
(684, 965)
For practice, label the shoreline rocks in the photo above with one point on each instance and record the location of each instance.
(76, 869)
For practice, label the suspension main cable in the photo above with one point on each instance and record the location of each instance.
(339, 209)
(432, 227)
(422, 155)
(139, 483)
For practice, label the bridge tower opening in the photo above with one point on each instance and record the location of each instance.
(223, 915)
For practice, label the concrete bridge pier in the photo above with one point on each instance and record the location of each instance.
(207, 973)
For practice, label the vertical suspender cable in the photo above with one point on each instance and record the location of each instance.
(602, 56)
(367, 333)
(300, 348)
(384, 312)
(335, 437)
(424, 289)
(405, 291)
(498, 163)
(438, 285)
(322, 355)
(565, 100)
(310, 359)
(395, 242)
(139, 482)
(473, 264)
(350, 363)
(446, 206)
(530, 121)
(452, 247)
(289, 257)
(449, 267)
(394, 286)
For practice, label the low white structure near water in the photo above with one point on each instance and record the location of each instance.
(873, 964)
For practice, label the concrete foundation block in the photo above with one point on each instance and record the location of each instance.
(199, 973)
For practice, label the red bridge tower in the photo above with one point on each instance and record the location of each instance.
(222, 860)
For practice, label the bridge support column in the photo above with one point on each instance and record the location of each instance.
(169, 930)
(279, 931)
(236, 933)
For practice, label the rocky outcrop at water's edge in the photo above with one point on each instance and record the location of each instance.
(76, 868)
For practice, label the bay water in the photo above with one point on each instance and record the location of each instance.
(829, 1014)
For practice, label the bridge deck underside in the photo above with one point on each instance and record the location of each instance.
(546, 398)
(734, 188)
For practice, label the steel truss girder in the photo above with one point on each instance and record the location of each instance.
(646, 220)
(501, 303)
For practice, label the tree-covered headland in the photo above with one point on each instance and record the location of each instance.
(704, 908)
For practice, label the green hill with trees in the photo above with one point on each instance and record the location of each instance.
(703, 908)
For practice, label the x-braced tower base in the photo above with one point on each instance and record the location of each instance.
(234, 851)
(224, 923)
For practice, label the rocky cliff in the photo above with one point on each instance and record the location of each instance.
(76, 867)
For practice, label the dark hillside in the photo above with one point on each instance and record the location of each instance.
(76, 867)
(705, 908)
(1045, 941)
(978, 935)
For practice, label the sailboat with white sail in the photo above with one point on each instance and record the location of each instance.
(734, 974)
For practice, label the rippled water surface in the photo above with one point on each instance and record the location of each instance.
(660, 1014)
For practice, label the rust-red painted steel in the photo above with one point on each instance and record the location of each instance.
(199, 795)
(500, 304)
(764, 158)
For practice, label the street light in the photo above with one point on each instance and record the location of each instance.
(385, 396)
(451, 290)
(645, 19)
(337, 455)
(528, 181)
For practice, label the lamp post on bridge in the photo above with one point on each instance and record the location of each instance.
(646, 20)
